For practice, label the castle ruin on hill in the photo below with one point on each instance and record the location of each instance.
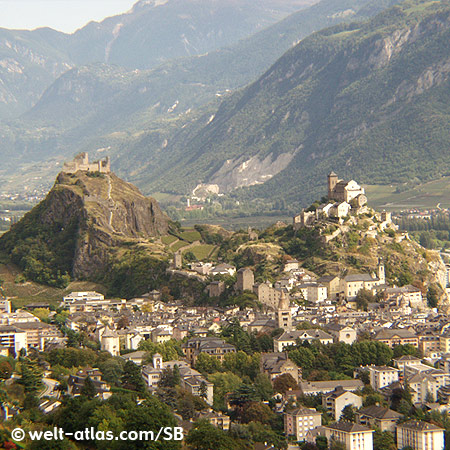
(81, 163)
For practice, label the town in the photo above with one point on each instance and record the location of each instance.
(305, 361)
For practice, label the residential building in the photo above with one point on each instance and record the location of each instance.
(424, 386)
(268, 295)
(420, 436)
(332, 283)
(375, 416)
(382, 376)
(217, 419)
(299, 421)
(291, 337)
(75, 383)
(406, 361)
(12, 339)
(354, 436)
(210, 345)
(399, 336)
(276, 364)
(324, 387)
(88, 296)
(444, 342)
(334, 402)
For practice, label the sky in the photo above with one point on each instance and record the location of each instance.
(62, 15)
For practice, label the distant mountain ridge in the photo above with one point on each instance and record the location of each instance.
(151, 33)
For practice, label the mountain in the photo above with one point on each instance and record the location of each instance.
(155, 31)
(150, 33)
(29, 63)
(368, 100)
(77, 229)
(100, 106)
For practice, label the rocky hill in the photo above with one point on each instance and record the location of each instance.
(76, 231)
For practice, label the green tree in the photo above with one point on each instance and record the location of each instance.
(207, 364)
(132, 378)
(5, 369)
(284, 383)
(363, 298)
(337, 445)
(224, 383)
(263, 387)
(348, 414)
(88, 389)
(31, 375)
(204, 436)
(383, 440)
(169, 378)
(433, 295)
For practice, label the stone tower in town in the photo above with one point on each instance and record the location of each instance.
(284, 314)
(245, 279)
(332, 181)
(381, 271)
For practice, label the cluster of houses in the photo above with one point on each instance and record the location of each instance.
(21, 331)
(306, 423)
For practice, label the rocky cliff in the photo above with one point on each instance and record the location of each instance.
(85, 218)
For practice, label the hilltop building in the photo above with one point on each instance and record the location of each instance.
(81, 163)
(344, 198)
(345, 191)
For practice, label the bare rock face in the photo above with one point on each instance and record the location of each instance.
(91, 215)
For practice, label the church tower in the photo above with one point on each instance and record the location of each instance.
(284, 313)
(381, 272)
(157, 361)
(332, 181)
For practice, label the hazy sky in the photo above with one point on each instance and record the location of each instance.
(62, 15)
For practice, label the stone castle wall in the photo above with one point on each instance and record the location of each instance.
(81, 163)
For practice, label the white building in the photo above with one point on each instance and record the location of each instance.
(336, 401)
(110, 341)
(87, 296)
(420, 436)
(298, 422)
(354, 436)
(382, 376)
(12, 339)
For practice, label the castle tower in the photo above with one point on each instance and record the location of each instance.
(178, 260)
(381, 271)
(284, 313)
(332, 181)
(157, 361)
(245, 280)
(110, 342)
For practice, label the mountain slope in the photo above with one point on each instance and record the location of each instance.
(28, 65)
(350, 98)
